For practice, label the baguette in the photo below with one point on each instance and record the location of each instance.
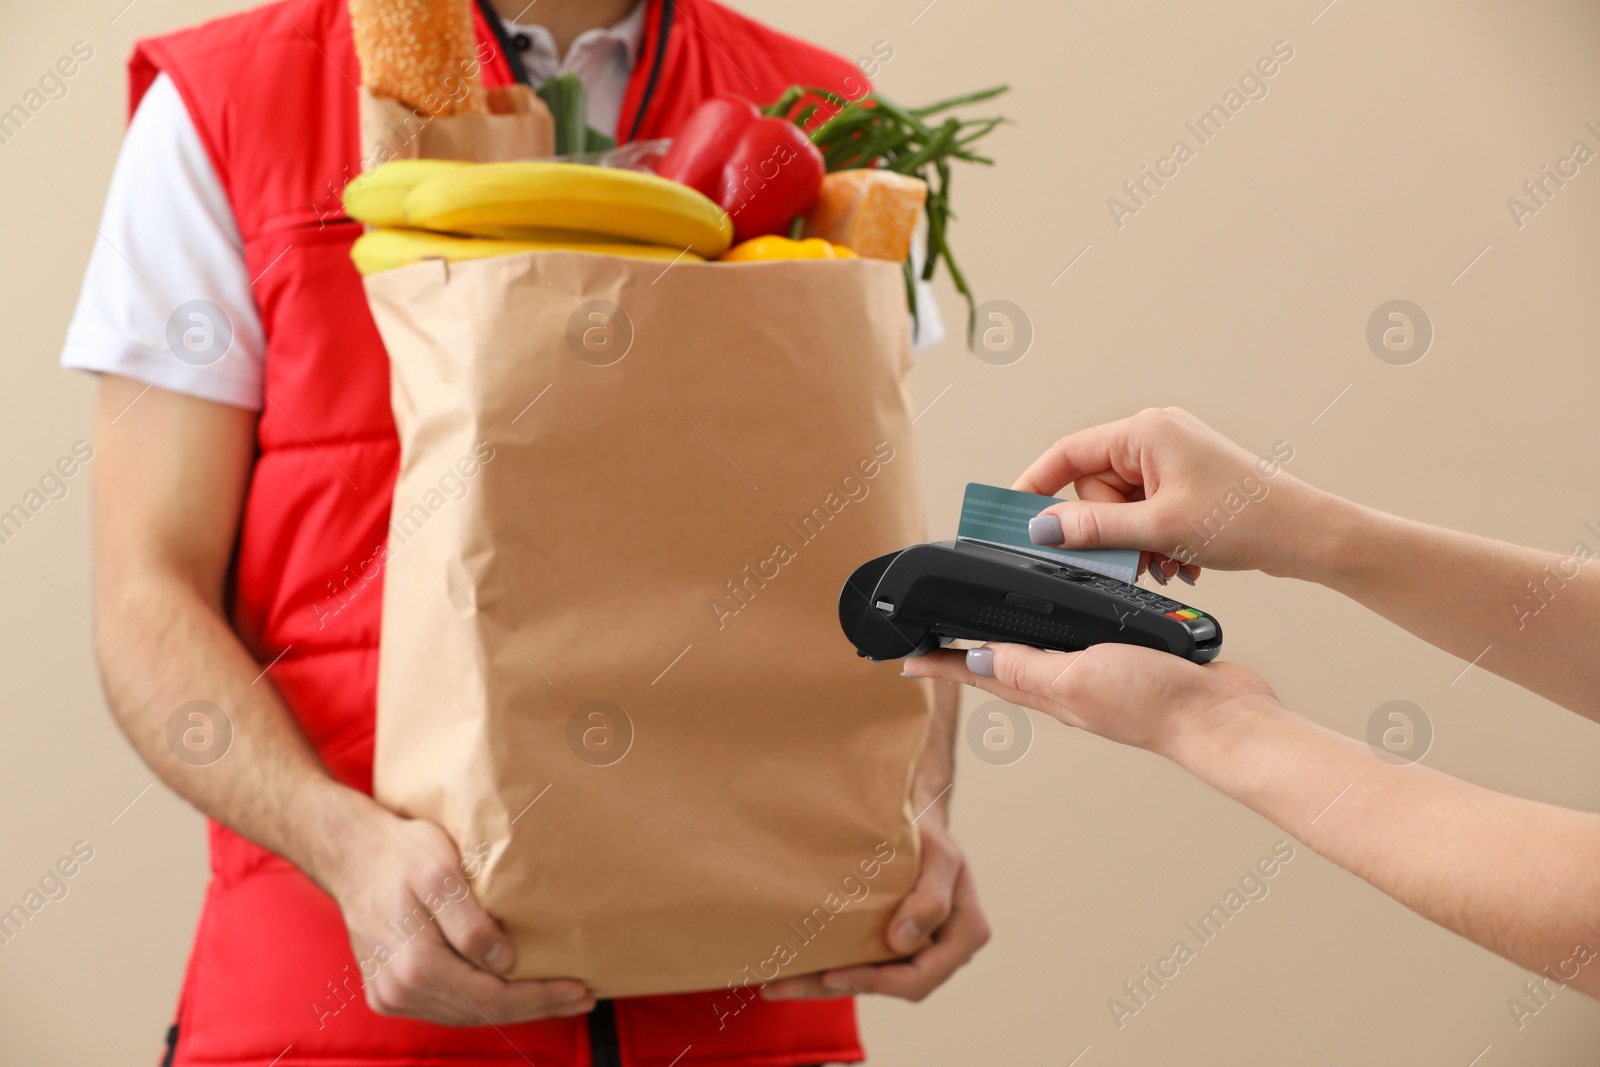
(419, 52)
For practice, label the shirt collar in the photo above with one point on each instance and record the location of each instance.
(630, 31)
(627, 31)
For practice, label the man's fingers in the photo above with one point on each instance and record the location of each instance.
(466, 927)
(905, 978)
(807, 985)
(445, 972)
(961, 937)
(496, 1000)
(427, 980)
(957, 942)
(927, 906)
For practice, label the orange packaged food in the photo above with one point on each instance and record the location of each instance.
(871, 212)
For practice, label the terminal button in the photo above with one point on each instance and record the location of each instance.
(1029, 603)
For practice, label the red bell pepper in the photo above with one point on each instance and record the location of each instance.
(707, 141)
(774, 174)
(761, 171)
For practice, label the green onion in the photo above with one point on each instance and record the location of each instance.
(875, 131)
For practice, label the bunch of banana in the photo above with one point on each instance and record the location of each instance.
(378, 197)
(490, 209)
(379, 250)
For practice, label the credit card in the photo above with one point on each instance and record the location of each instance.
(1000, 517)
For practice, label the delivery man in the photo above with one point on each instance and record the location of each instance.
(245, 467)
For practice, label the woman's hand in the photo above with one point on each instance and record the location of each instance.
(1164, 482)
(1131, 695)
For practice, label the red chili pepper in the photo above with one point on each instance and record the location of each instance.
(773, 174)
(707, 141)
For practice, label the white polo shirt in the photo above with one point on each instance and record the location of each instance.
(168, 237)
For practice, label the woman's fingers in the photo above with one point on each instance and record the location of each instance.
(1124, 693)
(1027, 677)
(1101, 524)
(1162, 568)
(1107, 487)
(1096, 451)
(1163, 482)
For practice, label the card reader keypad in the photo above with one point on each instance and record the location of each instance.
(1198, 624)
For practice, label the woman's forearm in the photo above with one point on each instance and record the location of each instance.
(1521, 613)
(1518, 877)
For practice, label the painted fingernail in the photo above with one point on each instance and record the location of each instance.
(1045, 530)
(1183, 572)
(499, 957)
(1155, 573)
(980, 661)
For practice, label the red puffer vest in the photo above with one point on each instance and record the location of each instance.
(272, 93)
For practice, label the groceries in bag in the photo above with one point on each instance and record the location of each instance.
(386, 249)
(582, 208)
(769, 248)
(859, 174)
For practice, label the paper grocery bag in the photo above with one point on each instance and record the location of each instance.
(611, 657)
(518, 125)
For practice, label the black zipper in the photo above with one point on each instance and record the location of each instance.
(663, 32)
(603, 1048)
(510, 51)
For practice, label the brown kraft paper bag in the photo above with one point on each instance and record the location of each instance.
(518, 126)
(611, 661)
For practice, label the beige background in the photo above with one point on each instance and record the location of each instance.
(1378, 167)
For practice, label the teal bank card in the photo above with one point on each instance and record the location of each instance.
(1000, 517)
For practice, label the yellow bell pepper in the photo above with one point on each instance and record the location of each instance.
(772, 247)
